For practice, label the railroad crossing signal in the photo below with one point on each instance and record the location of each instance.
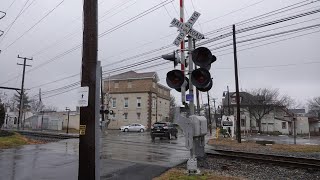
(172, 57)
(175, 79)
(186, 28)
(201, 77)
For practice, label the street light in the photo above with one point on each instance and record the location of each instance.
(67, 109)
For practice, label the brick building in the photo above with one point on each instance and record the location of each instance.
(136, 98)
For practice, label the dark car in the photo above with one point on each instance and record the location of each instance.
(164, 129)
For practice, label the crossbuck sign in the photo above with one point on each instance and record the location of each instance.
(186, 28)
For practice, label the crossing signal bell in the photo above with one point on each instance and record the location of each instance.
(201, 78)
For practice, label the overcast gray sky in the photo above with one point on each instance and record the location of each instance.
(290, 65)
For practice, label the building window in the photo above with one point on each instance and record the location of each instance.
(153, 84)
(116, 84)
(114, 102)
(126, 102)
(138, 102)
(114, 115)
(153, 103)
(243, 123)
(138, 116)
(125, 116)
(284, 125)
(129, 84)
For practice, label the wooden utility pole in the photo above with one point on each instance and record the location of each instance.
(102, 97)
(22, 87)
(89, 164)
(237, 82)
(68, 110)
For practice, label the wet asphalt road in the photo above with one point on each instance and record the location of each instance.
(123, 156)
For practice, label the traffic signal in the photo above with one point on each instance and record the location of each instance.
(201, 78)
(175, 79)
(104, 111)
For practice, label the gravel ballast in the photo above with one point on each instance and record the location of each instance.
(254, 170)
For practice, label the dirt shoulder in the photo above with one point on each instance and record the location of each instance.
(311, 151)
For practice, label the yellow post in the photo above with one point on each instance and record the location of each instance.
(217, 132)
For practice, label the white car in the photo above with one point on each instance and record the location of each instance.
(133, 127)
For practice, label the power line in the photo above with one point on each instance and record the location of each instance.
(61, 79)
(272, 13)
(270, 35)
(272, 66)
(271, 42)
(101, 35)
(60, 41)
(266, 66)
(260, 26)
(7, 30)
(198, 22)
(140, 15)
(278, 28)
(34, 25)
(59, 56)
(237, 10)
(151, 60)
(167, 11)
(259, 17)
(10, 6)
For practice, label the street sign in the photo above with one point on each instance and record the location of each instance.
(186, 28)
(189, 97)
(83, 96)
(227, 123)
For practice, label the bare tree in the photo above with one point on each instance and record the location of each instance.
(262, 101)
(51, 108)
(314, 107)
(2, 114)
(36, 105)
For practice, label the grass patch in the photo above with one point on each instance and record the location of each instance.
(15, 140)
(296, 148)
(250, 145)
(180, 174)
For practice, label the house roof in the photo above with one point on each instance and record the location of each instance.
(297, 111)
(165, 87)
(134, 75)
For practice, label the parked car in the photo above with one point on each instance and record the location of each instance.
(133, 127)
(163, 129)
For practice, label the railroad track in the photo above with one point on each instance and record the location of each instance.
(46, 136)
(267, 158)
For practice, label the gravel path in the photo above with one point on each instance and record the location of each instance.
(253, 170)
